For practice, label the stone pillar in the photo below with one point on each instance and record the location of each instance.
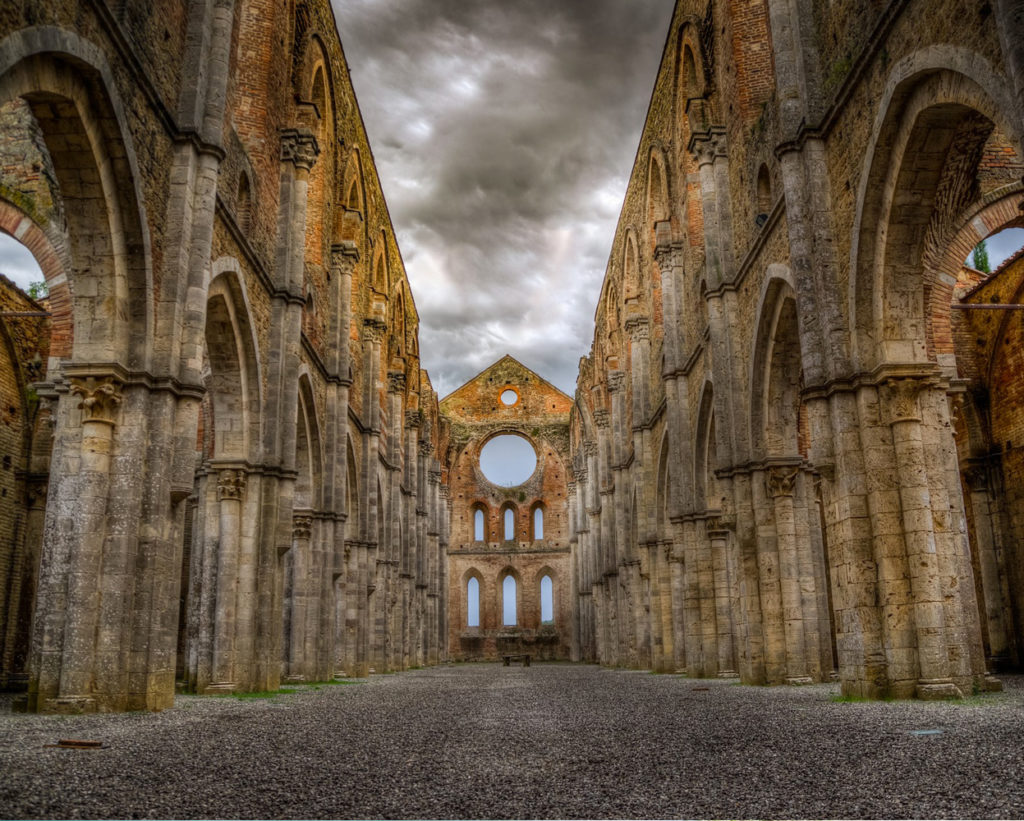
(99, 405)
(230, 491)
(990, 564)
(901, 399)
(780, 487)
(718, 536)
(300, 642)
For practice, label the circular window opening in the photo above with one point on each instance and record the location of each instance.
(509, 397)
(508, 460)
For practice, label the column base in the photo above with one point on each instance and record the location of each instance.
(799, 681)
(990, 684)
(295, 679)
(937, 690)
(728, 674)
(219, 687)
(69, 705)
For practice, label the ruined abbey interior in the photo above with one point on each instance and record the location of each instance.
(796, 446)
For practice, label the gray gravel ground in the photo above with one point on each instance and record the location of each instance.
(551, 740)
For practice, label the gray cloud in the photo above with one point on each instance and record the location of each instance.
(504, 133)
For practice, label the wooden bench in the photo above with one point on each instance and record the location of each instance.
(523, 657)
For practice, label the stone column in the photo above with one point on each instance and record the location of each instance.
(990, 564)
(718, 536)
(99, 405)
(780, 484)
(901, 399)
(230, 491)
(300, 642)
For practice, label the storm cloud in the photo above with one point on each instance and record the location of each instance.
(504, 132)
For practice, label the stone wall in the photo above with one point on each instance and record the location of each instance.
(765, 481)
(242, 483)
(508, 398)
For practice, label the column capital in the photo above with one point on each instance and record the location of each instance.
(101, 397)
(638, 328)
(779, 481)
(719, 526)
(231, 484)
(344, 256)
(299, 147)
(374, 329)
(302, 525)
(396, 381)
(413, 418)
(616, 379)
(601, 421)
(900, 394)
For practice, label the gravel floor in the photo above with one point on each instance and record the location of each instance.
(551, 740)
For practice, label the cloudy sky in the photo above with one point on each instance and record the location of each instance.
(504, 133)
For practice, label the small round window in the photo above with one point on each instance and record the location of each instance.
(508, 460)
(509, 397)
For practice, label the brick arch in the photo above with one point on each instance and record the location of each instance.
(52, 258)
(940, 106)
(70, 90)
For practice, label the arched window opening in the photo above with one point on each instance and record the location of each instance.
(764, 195)
(478, 525)
(473, 603)
(538, 523)
(510, 524)
(508, 602)
(547, 601)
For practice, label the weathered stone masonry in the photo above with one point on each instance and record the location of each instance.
(765, 477)
(241, 465)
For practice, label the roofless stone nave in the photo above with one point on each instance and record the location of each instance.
(796, 445)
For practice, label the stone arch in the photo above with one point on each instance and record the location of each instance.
(71, 92)
(664, 487)
(381, 275)
(632, 275)
(658, 198)
(705, 457)
(939, 106)
(308, 450)
(233, 380)
(350, 217)
(776, 368)
(353, 509)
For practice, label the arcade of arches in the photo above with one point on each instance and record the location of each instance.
(796, 447)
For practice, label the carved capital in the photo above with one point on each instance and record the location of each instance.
(101, 397)
(590, 446)
(434, 477)
(638, 328)
(616, 379)
(413, 418)
(344, 257)
(374, 330)
(231, 484)
(299, 147)
(396, 381)
(601, 421)
(302, 526)
(717, 526)
(706, 148)
(900, 395)
(780, 481)
(570, 487)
